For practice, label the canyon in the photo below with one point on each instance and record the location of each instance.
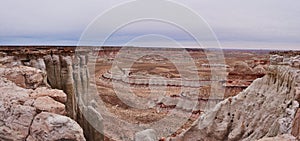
(73, 93)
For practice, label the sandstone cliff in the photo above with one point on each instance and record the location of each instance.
(24, 113)
(70, 74)
(38, 74)
(267, 108)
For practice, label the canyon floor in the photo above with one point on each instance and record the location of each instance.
(240, 66)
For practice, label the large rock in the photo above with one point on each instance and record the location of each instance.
(19, 107)
(68, 84)
(53, 127)
(48, 104)
(265, 109)
(7, 59)
(53, 68)
(296, 125)
(60, 76)
(57, 95)
(70, 74)
(23, 76)
(38, 63)
(15, 120)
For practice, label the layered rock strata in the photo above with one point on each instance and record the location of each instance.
(267, 108)
(242, 75)
(118, 74)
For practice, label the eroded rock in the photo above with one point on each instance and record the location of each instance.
(48, 104)
(53, 127)
(276, 59)
(57, 95)
(265, 109)
(23, 76)
(259, 69)
(19, 108)
(296, 125)
(15, 120)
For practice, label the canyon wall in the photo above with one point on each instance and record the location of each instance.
(71, 74)
(267, 108)
(31, 111)
(56, 68)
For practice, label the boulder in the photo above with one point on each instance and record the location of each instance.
(53, 127)
(57, 95)
(48, 104)
(23, 76)
(7, 59)
(38, 63)
(15, 118)
(20, 121)
(53, 68)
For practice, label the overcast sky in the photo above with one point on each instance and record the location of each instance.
(236, 23)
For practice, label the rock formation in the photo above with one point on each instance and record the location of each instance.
(242, 75)
(46, 103)
(259, 69)
(117, 74)
(23, 113)
(242, 68)
(27, 101)
(60, 76)
(47, 67)
(265, 109)
(51, 127)
(57, 95)
(30, 110)
(70, 73)
(296, 124)
(23, 76)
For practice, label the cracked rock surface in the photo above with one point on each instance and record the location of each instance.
(21, 119)
(23, 76)
(266, 109)
(51, 127)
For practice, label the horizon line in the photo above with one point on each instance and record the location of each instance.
(119, 46)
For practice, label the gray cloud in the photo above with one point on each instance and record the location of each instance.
(236, 23)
